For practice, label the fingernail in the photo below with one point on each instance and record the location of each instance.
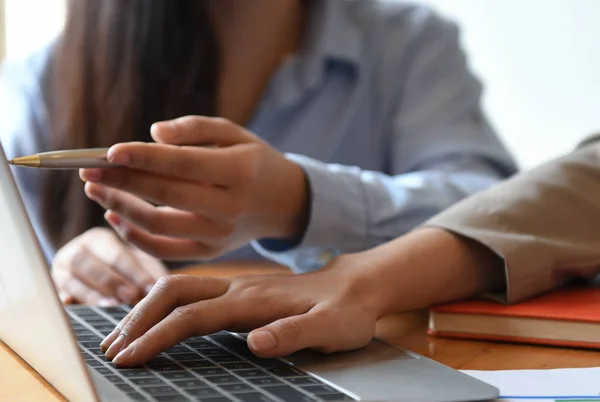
(115, 348)
(112, 218)
(126, 294)
(117, 224)
(90, 174)
(262, 341)
(154, 129)
(123, 355)
(108, 302)
(164, 132)
(64, 298)
(118, 158)
(95, 192)
(106, 342)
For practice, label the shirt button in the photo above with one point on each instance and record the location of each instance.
(326, 256)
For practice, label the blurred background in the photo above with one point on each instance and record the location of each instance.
(539, 61)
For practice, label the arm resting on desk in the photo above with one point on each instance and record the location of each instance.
(543, 223)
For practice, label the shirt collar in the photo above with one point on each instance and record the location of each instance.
(331, 35)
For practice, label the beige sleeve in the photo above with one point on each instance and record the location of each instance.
(544, 223)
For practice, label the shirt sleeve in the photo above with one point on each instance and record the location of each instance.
(543, 223)
(442, 149)
(22, 132)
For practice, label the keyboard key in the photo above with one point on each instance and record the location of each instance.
(178, 349)
(288, 393)
(211, 371)
(191, 383)
(223, 338)
(217, 399)
(203, 392)
(103, 370)
(265, 381)
(177, 375)
(89, 344)
(159, 361)
(336, 397)
(201, 345)
(223, 379)
(198, 364)
(98, 321)
(303, 380)
(286, 372)
(198, 339)
(125, 387)
(105, 329)
(238, 365)
(187, 357)
(137, 396)
(233, 388)
(266, 363)
(253, 397)
(142, 382)
(94, 363)
(167, 368)
(80, 330)
(136, 373)
(114, 379)
(214, 352)
(90, 337)
(85, 313)
(170, 398)
(225, 358)
(160, 390)
(252, 373)
(96, 351)
(320, 389)
(111, 310)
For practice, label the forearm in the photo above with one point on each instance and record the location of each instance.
(352, 210)
(428, 267)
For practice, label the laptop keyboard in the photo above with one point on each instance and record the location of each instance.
(212, 368)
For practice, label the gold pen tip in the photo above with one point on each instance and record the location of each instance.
(28, 161)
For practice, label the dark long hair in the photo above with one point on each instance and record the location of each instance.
(118, 67)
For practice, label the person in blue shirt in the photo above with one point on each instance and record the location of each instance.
(338, 125)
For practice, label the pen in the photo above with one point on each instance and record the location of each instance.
(66, 159)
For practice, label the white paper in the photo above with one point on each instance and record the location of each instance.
(543, 385)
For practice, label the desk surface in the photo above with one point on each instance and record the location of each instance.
(20, 382)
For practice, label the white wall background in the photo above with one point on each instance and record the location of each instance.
(539, 60)
(31, 23)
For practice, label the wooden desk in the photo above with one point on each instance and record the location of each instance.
(19, 382)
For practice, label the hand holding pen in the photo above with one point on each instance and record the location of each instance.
(179, 201)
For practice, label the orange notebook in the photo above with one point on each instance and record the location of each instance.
(567, 317)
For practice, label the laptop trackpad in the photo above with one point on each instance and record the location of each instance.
(357, 370)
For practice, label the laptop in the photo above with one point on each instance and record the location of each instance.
(62, 344)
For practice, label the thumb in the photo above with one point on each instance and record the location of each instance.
(199, 130)
(289, 335)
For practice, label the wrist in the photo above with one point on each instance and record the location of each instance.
(428, 267)
(294, 202)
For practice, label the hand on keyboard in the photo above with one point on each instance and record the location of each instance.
(330, 310)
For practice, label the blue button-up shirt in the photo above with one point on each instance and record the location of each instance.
(379, 108)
